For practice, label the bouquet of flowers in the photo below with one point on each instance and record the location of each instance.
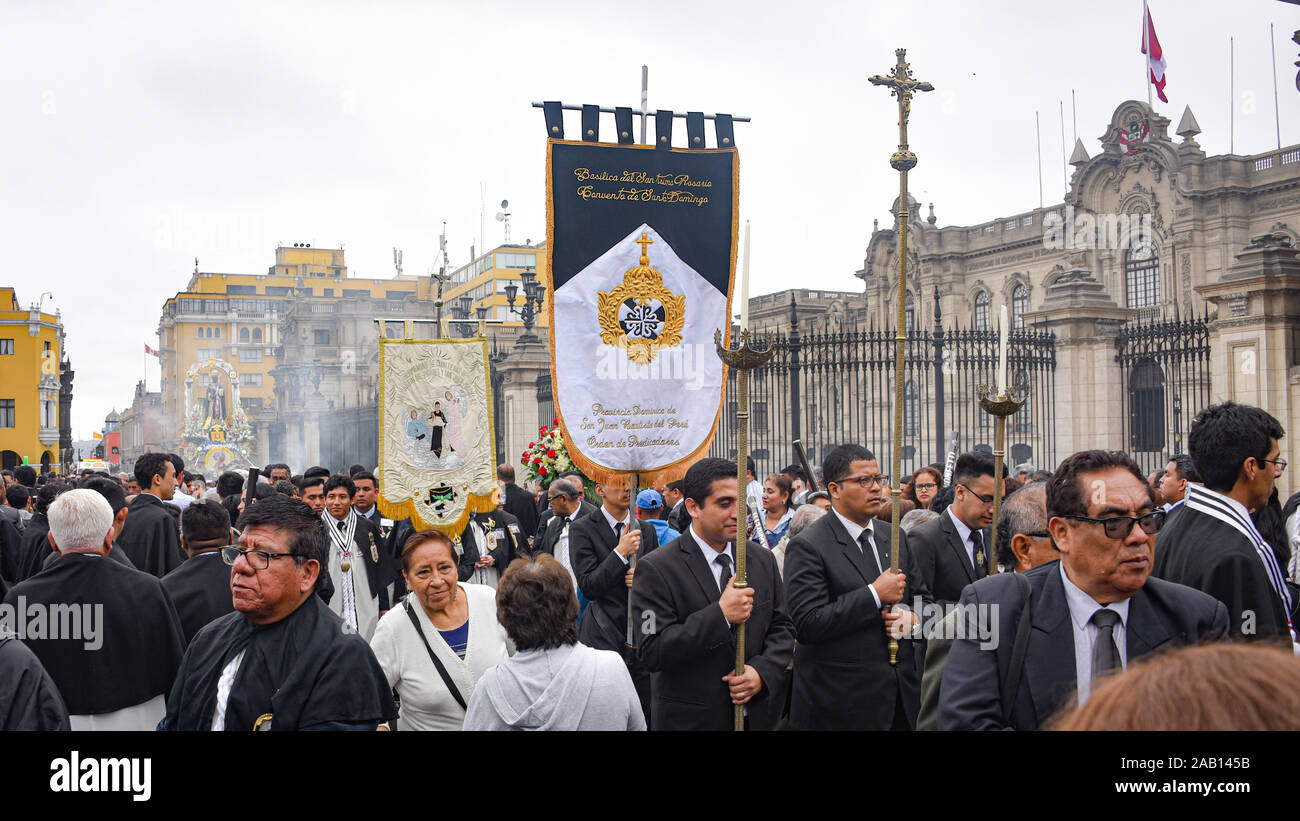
(546, 458)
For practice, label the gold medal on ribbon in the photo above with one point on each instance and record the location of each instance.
(374, 551)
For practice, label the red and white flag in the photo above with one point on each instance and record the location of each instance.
(1155, 55)
(149, 350)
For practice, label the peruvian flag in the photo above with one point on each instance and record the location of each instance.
(1155, 55)
(149, 350)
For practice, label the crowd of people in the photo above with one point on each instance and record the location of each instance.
(1109, 599)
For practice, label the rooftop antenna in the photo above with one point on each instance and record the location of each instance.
(503, 216)
(397, 261)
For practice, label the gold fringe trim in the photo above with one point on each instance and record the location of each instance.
(477, 503)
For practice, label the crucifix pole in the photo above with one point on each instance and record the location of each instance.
(902, 85)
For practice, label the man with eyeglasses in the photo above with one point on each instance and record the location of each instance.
(953, 550)
(567, 506)
(282, 661)
(1090, 614)
(842, 596)
(1212, 544)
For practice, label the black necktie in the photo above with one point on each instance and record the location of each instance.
(977, 540)
(341, 524)
(724, 562)
(1105, 653)
(868, 549)
(618, 534)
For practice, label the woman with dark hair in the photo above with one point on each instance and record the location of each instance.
(776, 508)
(553, 682)
(234, 505)
(429, 654)
(925, 484)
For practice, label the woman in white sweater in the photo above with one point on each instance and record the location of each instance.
(442, 619)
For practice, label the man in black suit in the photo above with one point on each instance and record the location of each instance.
(488, 544)
(200, 587)
(675, 501)
(1211, 543)
(604, 547)
(687, 611)
(1091, 613)
(567, 507)
(518, 502)
(842, 597)
(953, 550)
(366, 580)
(151, 535)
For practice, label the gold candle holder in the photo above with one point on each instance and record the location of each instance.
(999, 406)
(743, 359)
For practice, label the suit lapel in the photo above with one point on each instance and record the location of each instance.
(955, 543)
(1145, 630)
(1049, 668)
(851, 550)
(699, 568)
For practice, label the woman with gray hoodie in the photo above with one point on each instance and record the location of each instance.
(553, 682)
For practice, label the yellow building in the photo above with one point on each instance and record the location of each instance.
(31, 348)
(487, 278)
(230, 323)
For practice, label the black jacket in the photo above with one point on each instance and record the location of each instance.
(151, 536)
(200, 589)
(600, 571)
(511, 542)
(1161, 615)
(519, 503)
(550, 534)
(687, 645)
(842, 676)
(942, 560)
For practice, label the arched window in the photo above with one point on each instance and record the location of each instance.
(982, 311)
(1142, 275)
(257, 334)
(911, 410)
(243, 334)
(1146, 407)
(909, 311)
(1019, 305)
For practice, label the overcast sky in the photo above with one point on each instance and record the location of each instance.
(140, 135)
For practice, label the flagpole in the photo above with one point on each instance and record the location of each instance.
(1232, 99)
(1146, 50)
(1272, 48)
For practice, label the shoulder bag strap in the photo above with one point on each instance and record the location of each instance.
(442, 671)
(1018, 650)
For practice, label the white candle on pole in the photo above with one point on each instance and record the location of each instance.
(1002, 350)
(744, 284)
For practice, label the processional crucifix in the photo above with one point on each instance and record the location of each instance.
(902, 85)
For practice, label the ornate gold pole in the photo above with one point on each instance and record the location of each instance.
(902, 85)
(999, 407)
(743, 359)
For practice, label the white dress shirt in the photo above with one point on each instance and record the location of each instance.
(711, 557)
(855, 532)
(1082, 606)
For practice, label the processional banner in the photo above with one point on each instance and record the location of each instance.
(436, 443)
(642, 250)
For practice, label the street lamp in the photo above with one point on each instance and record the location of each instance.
(534, 291)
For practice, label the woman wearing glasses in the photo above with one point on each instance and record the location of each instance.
(925, 484)
(440, 640)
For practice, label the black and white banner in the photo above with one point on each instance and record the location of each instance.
(642, 250)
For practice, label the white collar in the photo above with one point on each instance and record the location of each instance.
(627, 523)
(711, 555)
(854, 529)
(1082, 605)
(962, 530)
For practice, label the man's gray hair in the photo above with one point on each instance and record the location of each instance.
(1025, 467)
(79, 520)
(1024, 511)
(912, 518)
(567, 487)
(804, 515)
